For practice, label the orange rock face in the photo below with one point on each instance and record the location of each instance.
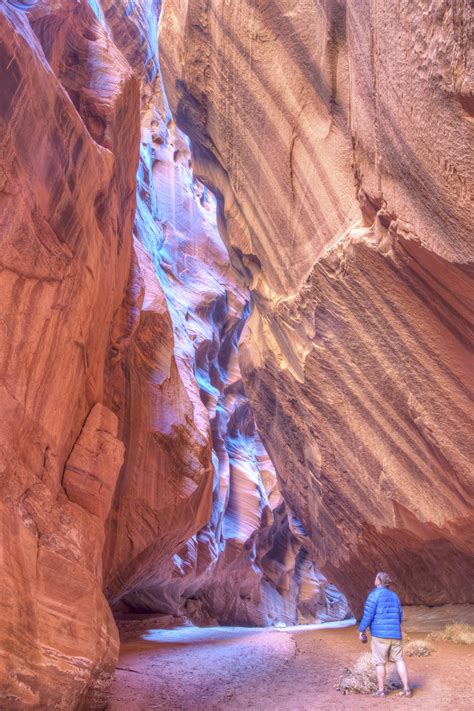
(67, 210)
(130, 457)
(339, 141)
(336, 141)
(195, 530)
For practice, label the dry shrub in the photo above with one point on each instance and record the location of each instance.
(418, 648)
(459, 633)
(360, 678)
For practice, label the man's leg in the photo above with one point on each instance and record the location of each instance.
(402, 670)
(380, 668)
(396, 655)
(380, 648)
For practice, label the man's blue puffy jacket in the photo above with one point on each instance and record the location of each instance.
(382, 614)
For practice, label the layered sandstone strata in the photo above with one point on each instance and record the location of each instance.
(120, 379)
(338, 139)
(69, 157)
(194, 529)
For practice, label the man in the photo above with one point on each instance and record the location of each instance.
(383, 616)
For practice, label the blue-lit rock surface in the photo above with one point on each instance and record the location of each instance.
(186, 426)
(121, 386)
(198, 527)
(338, 137)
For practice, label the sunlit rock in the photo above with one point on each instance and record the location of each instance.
(193, 527)
(338, 138)
(122, 393)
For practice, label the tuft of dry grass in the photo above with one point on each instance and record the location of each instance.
(360, 678)
(418, 648)
(459, 633)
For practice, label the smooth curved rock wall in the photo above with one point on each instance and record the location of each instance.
(130, 457)
(192, 527)
(338, 139)
(69, 157)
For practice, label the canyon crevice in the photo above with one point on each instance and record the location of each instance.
(236, 287)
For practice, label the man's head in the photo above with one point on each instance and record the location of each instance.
(382, 580)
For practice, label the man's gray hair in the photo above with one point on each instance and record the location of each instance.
(384, 579)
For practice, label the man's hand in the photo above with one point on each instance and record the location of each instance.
(363, 637)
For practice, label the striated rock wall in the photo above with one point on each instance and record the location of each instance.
(338, 140)
(69, 152)
(339, 156)
(130, 457)
(192, 530)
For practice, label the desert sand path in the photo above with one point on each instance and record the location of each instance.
(204, 669)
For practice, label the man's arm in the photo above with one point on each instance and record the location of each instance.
(400, 611)
(369, 612)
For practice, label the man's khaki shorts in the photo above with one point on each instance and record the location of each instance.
(386, 650)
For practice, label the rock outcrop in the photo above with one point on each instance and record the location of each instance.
(69, 152)
(130, 457)
(198, 528)
(338, 139)
(162, 391)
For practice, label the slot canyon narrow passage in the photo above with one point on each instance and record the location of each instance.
(236, 278)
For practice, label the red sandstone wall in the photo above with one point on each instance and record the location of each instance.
(69, 157)
(130, 457)
(339, 138)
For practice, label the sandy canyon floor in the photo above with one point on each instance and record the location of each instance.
(295, 669)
